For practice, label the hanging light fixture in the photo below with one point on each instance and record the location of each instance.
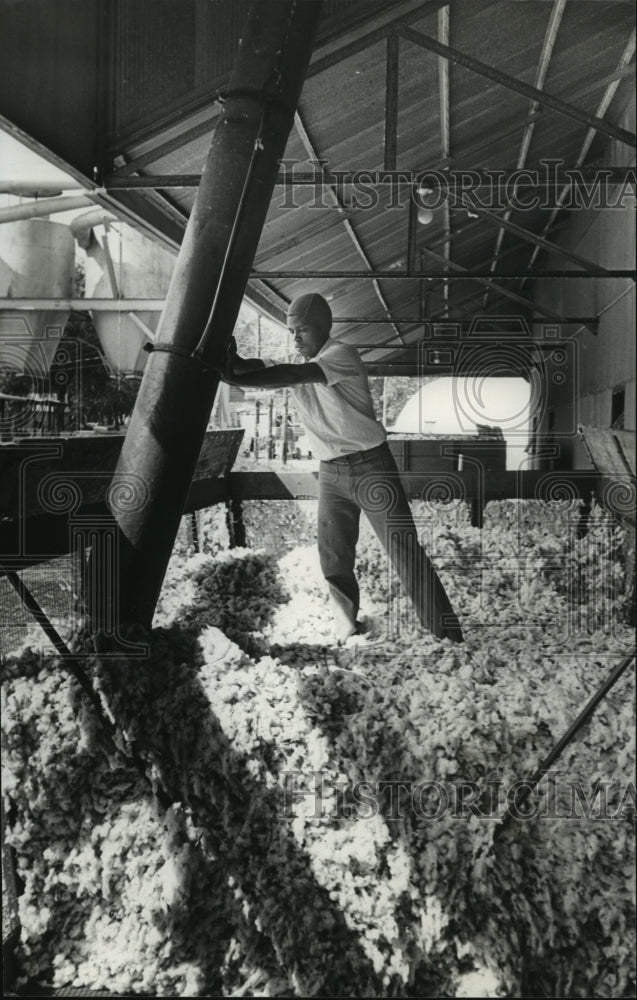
(425, 215)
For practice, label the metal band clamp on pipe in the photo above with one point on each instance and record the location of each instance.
(171, 349)
(261, 97)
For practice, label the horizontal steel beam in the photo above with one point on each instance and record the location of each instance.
(501, 289)
(441, 321)
(497, 485)
(156, 305)
(403, 369)
(399, 275)
(382, 178)
(484, 338)
(100, 305)
(512, 83)
(203, 128)
(290, 486)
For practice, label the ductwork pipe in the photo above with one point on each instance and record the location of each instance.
(40, 189)
(82, 225)
(45, 206)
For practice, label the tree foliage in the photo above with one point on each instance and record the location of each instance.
(270, 341)
(80, 375)
(398, 390)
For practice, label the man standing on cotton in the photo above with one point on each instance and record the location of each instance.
(357, 471)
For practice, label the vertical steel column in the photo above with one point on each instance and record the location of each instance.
(284, 426)
(271, 427)
(169, 421)
(256, 402)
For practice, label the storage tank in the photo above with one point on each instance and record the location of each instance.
(122, 268)
(122, 339)
(37, 258)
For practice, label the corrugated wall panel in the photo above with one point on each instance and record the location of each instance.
(49, 75)
(604, 362)
(173, 50)
(153, 61)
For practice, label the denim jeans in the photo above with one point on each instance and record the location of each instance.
(369, 481)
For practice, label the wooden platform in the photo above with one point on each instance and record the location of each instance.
(48, 484)
(612, 452)
(75, 473)
(40, 475)
(36, 538)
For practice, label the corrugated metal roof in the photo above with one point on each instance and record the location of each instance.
(165, 63)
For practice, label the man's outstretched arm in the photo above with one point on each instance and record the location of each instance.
(237, 366)
(277, 376)
(253, 373)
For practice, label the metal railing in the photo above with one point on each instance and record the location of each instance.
(31, 416)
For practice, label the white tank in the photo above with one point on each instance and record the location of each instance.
(37, 258)
(144, 273)
(123, 339)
